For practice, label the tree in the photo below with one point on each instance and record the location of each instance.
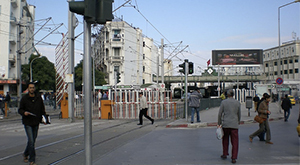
(43, 71)
(99, 77)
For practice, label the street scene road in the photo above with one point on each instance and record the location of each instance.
(124, 142)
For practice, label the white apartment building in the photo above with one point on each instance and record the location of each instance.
(289, 63)
(119, 47)
(151, 60)
(16, 31)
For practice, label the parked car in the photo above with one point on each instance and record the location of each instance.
(293, 101)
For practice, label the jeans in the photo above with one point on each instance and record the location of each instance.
(286, 114)
(193, 113)
(31, 132)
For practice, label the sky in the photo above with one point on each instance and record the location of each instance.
(203, 25)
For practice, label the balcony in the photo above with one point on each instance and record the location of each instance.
(13, 20)
(14, 3)
(12, 39)
(115, 59)
(12, 58)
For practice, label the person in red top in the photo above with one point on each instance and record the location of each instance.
(31, 108)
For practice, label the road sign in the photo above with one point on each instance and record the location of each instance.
(279, 81)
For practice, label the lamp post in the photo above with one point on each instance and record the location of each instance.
(31, 67)
(279, 65)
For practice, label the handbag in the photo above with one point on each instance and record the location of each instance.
(219, 133)
(258, 119)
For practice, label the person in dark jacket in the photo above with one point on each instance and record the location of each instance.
(286, 105)
(194, 103)
(261, 136)
(256, 100)
(31, 108)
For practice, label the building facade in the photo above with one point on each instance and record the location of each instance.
(16, 33)
(289, 63)
(119, 47)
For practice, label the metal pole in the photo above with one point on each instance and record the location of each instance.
(186, 88)
(19, 64)
(31, 67)
(71, 86)
(162, 61)
(279, 66)
(87, 93)
(219, 80)
(157, 75)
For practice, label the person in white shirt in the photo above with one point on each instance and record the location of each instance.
(143, 109)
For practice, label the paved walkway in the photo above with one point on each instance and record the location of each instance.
(209, 117)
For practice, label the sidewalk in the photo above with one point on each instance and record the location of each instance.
(210, 117)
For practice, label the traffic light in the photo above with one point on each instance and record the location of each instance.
(183, 68)
(191, 68)
(118, 77)
(94, 11)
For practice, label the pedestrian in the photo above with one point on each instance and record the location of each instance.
(263, 111)
(261, 136)
(229, 119)
(223, 96)
(31, 108)
(2, 104)
(143, 109)
(194, 104)
(256, 100)
(286, 105)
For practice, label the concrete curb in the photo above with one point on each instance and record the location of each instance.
(210, 124)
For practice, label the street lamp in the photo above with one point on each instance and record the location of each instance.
(279, 69)
(279, 65)
(31, 67)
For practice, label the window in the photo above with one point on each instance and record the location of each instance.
(144, 68)
(281, 72)
(280, 62)
(267, 74)
(267, 65)
(291, 71)
(285, 61)
(285, 71)
(275, 73)
(117, 51)
(275, 63)
(144, 56)
(296, 60)
(296, 70)
(117, 68)
(117, 35)
(290, 61)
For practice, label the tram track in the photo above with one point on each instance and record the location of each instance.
(60, 151)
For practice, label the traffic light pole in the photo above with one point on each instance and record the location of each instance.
(186, 63)
(87, 79)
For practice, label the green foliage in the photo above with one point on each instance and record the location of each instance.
(99, 77)
(43, 71)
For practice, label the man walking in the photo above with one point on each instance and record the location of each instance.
(31, 108)
(229, 118)
(194, 103)
(143, 109)
(286, 105)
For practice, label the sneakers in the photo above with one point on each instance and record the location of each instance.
(233, 161)
(152, 121)
(32, 163)
(25, 158)
(223, 157)
(269, 142)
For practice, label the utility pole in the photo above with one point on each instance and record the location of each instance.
(157, 75)
(162, 61)
(87, 77)
(186, 62)
(19, 62)
(71, 85)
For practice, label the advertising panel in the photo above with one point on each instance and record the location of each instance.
(237, 57)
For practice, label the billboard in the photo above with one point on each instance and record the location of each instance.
(237, 57)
